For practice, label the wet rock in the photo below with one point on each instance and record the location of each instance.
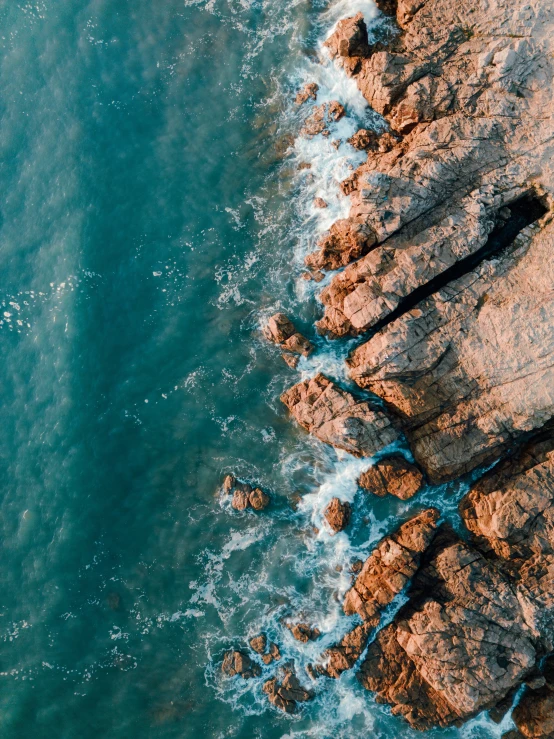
(389, 568)
(388, 7)
(459, 646)
(364, 139)
(239, 663)
(336, 417)
(285, 691)
(392, 476)
(304, 632)
(345, 241)
(321, 117)
(308, 92)
(349, 38)
(244, 495)
(290, 359)
(337, 514)
(346, 653)
(281, 331)
(259, 643)
(534, 714)
(320, 203)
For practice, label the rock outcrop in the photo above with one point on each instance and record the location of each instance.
(459, 646)
(285, 691)
(280, 330)
(336, 417)
(321, 117)
(346, 240)
(337, 514)
(239, 663)
(389, 568)
(392, 476)
(456, 280)
(304, 632)
(344, 655)
(244, 495)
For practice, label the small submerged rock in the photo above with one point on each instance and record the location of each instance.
(392, 476)
(236, 662)
(337, 514)
(321, 117)
(304, 632)
(244, 495)
(285, 691)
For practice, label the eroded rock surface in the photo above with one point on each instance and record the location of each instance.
(244, 495)
(344, 655)
(463, 348)
(392, 476)
(304, 632)
(337, 514)
(239, 663)
(346, 240)
(280, 330)
(336, 417)
(389, 568)
(285, 691)
(458, 647)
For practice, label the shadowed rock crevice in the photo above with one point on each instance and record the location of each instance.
(510, 222)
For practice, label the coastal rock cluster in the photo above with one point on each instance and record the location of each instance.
(447, 281)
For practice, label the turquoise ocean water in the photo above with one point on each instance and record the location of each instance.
(150, 218)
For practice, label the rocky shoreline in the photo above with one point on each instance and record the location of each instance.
(447, 279)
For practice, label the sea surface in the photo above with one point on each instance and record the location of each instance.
(152, 215)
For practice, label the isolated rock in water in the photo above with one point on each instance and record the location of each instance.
(244, 495)
(308, 92)
(285, 691)
(345, 241)
(390, 567)
(259, 643)
(281, 331)
(343, 656)
(304, 632)
(337, 514)
(238, 663)
(349, 38)
(336, 417)
(258, 499)
(320, 203)
(458, 647)
(321, 118)
(392, 476)
(364, 139)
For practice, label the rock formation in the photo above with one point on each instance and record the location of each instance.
(281, 331)
(390, 567)
(285, 691)
(321, 117)
(244, 495)
(457, 272)
(337, 514)
(260, 644)
(308, 92)
(304, 632)
(392, 476)
(239, 663)
(336, 417)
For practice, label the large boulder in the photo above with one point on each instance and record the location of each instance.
(459, 646)
(392, 476)
(389, 568)
(336, 417)
(349, 38)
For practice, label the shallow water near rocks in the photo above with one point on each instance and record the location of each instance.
(149, 223)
